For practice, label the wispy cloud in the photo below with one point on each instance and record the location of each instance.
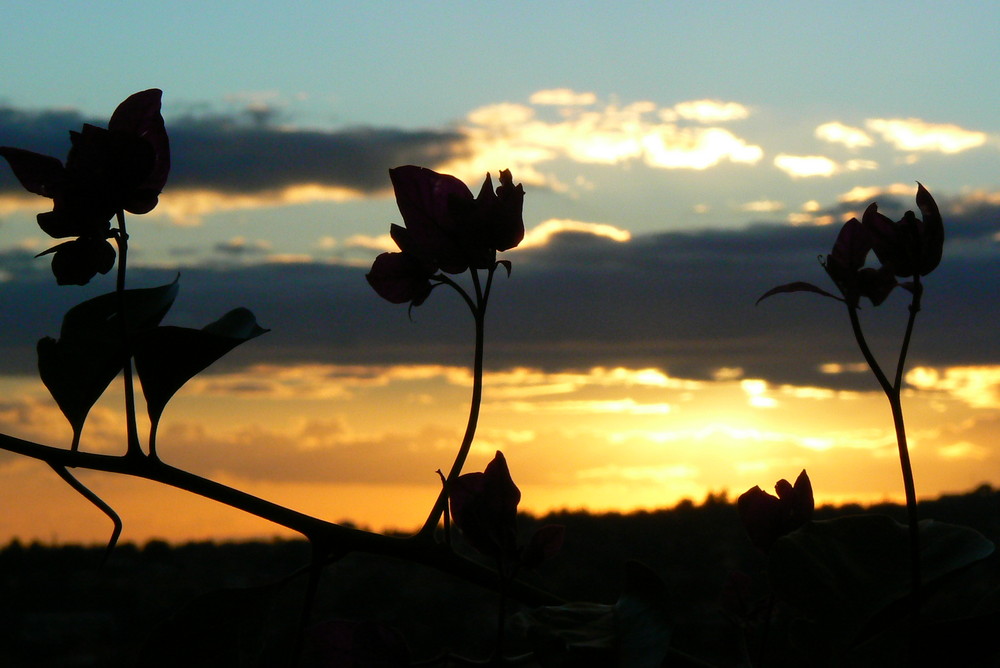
(839, 133)
(706, 111)
(805, 166)
(914, 134)
(562, 97)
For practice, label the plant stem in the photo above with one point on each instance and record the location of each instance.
(479, 314)
(329, 536)
(84, 491)
(892, 392)
(133, 448)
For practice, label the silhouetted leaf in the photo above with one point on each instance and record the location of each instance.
(633, 633)
(76, 374)
(797, 286)
(841, 573)
(168, 357)
(98, 317)
(78, 367)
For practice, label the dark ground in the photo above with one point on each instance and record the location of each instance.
(146, 606)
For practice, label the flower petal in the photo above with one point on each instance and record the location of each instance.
(931, 231)
(139, 115)
(399, 278)
(39, 174)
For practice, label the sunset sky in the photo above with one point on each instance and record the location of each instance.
(679, 160)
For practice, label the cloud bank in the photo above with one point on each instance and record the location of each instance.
(582, 295)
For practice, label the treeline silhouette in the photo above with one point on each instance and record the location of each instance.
(59, 608)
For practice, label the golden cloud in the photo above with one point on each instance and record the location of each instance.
(188, 206)
(542, 234)
(516, 136)
(804, 166)
(838, 133)
(563, 97)
(711, 111)
(914, 134)
(976, 386)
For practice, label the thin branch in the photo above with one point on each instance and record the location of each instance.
(84, 491)
(914, 308)
(327, 536)
(121, 238)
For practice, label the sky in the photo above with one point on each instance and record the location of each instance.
(679, 159)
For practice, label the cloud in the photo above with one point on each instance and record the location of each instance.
(223, 162)
(562, 97)
(680, 302)
(241, 246)
(977, 386)
(709, 111)
(913, 134)
(524, 137)
(541, 234)
(763, 206)
(838, 133)
(805, 166)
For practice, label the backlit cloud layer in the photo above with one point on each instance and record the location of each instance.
(583, 295)
(247, 160)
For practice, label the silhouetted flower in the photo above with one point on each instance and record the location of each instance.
(400, 278)
(911, 246)
(121, 168)
(444, 229)
(845, 265)
(484, 507)
(767, 518)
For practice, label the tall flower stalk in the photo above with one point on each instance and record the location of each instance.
(448, 232)
(907, 249)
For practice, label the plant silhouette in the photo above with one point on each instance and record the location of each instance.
(837, 591)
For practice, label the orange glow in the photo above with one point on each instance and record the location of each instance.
(317, 438)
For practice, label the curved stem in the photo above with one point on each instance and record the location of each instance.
(330, 537)
(440, 506)
(892, 393)
(914, 309)
(133, 448)
(859, 336)
(84, 491)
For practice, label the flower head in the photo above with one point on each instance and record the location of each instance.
(767, 518)
(845, 265)
(912, 245)
(484, 508)
(444, 229)
(121, 168)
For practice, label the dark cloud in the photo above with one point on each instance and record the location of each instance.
(683, 302)
(233, 154)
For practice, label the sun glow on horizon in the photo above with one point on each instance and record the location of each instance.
(608, 438)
